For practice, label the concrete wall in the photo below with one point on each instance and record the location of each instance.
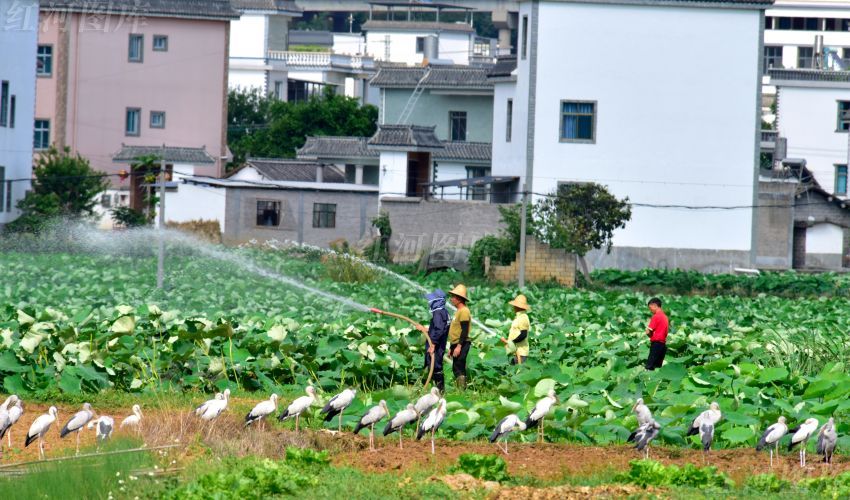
(354, 212)
(776, 224)
(637, 258)
(649, 138)
(18, 39)
(542, 263)
(400, 46)
(807, 117)
(419, 225)
(433, 109)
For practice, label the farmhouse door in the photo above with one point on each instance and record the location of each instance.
(798, 258)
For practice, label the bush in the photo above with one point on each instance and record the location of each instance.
(767, 483)
(651, 473)
(345, 267)
(306, 456)
(129, 217)
(249, 479)
(828, 486)
(486, 467)
(500, 250)
(379, 250)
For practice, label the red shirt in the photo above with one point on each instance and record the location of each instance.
(659, 325)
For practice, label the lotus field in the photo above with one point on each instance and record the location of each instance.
(89, 326)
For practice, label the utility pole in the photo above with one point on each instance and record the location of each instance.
(160, 265)
(522, 229)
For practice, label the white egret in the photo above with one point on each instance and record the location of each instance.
(370, 418)
(299, 406)
(39, 429)
(262, 410)
(398, 422)
(337, 405)
(103, 426)
(801, 437)
(771, 437)
(505, 427)
(432, 422)
(539, 412)
(827, 438)
(134, 420)
(645, 434)
(426, 403)
(77, 423)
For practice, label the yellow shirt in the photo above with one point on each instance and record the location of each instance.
(519, 324)
(462, 314)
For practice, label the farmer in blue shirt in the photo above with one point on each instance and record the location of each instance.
(438, 332)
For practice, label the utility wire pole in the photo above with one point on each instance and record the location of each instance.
(522, 229)
(160, 265)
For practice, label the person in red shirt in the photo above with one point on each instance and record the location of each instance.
(657, 333)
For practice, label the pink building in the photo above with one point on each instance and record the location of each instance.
(124, 72)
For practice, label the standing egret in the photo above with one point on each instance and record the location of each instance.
(337, 405)
(210, 410)
(645, 434)
(133, 420)
(771, 437)
(261, 411)
(219, 396)
(77, 423)
(505, 427)
(432, 422)
(539, 412)
(39, 428)
(398, 422)
(299, 406)
(712, 415)
(15, 413)
(644, 416)
(827, 438)
(370, 418)
(103, 427)
(426, 403)
(10, 401)
(801, 436)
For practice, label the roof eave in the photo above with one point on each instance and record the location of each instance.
(717, 4)
(167, 15)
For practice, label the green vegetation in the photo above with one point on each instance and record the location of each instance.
(486, 467)
(651, 473)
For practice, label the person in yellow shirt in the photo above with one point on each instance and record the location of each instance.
(518, 333)
(459, 342)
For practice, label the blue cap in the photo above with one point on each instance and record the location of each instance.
(436, 294)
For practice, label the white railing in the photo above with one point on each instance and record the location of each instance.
(322, 60)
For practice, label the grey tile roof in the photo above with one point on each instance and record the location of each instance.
(505, 65)
(266, 5)
(406, 136)
(441, 77)
(336, 147)
(380, 25)
(465, 151)
(694, 3)
(195, 156)
(139, 9)
(277, 169)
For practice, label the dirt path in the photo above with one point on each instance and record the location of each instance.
(544, 461)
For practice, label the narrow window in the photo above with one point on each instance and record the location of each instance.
(420, 44)
(41, 138)
(843, 116)
(160, 43)
(772, 57)
(524, 47)
(457, 125)
(8, 196)
(268, 213)
(157, 119)
(805, 57)
(478, 192)
(578, 121)
(2, 178)
(44, 61)
(841, 179)
(136, 48)
(509, 120)
(12, 107)
(133, 121)
(4, 103)
(324, 215)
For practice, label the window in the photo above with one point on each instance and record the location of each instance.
(2, 178)
(843, 116)
(830, 24)
(509, 120)
(578, 121)
(784, 23)
(12, 106)
(841, 179)
(268, 213)
(420, 44)
(133, 121)
(477, 192)
(845, 56)
(157, 119)
(137, 47)
(8, 196)
(44, 61)
(324, 215)
(4, 103)
(160, 43)
(805, 57)
(106, 200)
(524, 47)
(42, 134)
(772, 57)
(299, 90)
(457, 125)
(278, 89)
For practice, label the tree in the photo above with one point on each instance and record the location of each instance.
(262, 126)
(64, 185)
(580, 218)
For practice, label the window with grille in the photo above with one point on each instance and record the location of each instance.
(772, 57)
(843, 116)
(457, 125)
(805, 57)
(44, 61)
(268, 213)
(841, 179)
(578, 121)
(324, 215)
(135, 51)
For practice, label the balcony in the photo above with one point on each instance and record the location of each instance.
(815, 76)
(322, 60)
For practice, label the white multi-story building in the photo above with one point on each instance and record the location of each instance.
(19, 42)
(569, 114)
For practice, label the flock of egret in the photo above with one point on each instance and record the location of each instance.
(429, 412)
(12, 409)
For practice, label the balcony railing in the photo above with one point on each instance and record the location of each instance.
(809, 75)
(769, 135)
(322, 60)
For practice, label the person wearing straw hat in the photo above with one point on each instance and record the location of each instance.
(459, 342)
(438, 332)
(518, 334)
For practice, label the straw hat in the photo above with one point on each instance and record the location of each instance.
(460, 291)
(521, 302)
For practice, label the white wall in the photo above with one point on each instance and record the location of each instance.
(509, 157)
(666, 133)
(392, 173)
(349, 43)
(807, 117)
(825, 238)
(195, 202)
(453, 45)
(248, 36)
(18, 43)
(449, 171)
(247, 78)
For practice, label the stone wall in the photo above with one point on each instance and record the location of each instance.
(420, 226)
(542, 263)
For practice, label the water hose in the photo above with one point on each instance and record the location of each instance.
(418, 326)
